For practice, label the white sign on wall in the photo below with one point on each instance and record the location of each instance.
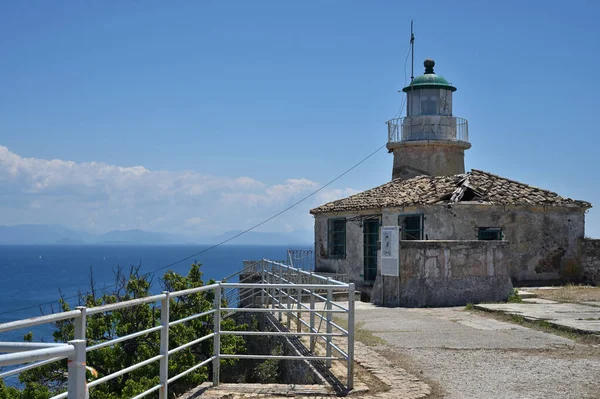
(389, 251)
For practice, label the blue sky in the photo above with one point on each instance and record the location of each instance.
(202, 117)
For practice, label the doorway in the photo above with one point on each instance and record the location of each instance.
(370, 238)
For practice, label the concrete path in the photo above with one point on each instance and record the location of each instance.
(466, 355)
(452, 353)
(578, 317)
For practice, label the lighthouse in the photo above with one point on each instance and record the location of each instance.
(430, 140)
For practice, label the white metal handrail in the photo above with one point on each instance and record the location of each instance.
(272, 282)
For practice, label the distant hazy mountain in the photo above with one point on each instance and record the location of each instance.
(40, 234)
(260, 238)
(138, 237)
(57, 234)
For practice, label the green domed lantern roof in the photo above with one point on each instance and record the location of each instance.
(429, 80)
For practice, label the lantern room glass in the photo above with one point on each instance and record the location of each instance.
(429, 102)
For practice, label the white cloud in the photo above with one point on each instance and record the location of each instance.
(194, 221)
(101, 197)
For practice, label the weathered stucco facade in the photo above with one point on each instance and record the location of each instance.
(544, 243)
(446, 273)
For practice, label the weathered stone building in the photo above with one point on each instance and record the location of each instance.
(457, 237)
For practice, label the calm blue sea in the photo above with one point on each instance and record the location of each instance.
(34, 274)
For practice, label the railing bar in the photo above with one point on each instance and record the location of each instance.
(191, 343)
(192, 317)
(295, 286)
(36, 354)
(121, 339)
(183, 374)
(193, 290)
(314, 275)
(263, 310)
(34, 321)
(149, 391)
(334, 346)
(332, 303)
(61, 396)
(280, 357)
(332, 323)
(266, 333)
(318, 296)
(13, 347)
(300, 271)
(124, 371)
(124, 304)
(30, 366)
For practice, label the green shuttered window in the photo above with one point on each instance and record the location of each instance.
(336, 232)
(412, 226)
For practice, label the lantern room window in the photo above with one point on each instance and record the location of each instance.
(429, 102)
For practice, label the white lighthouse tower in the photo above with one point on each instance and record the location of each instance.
(430, 140)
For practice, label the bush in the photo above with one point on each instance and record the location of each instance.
(48, 380)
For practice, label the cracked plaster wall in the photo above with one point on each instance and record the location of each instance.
(544, 243)
(446, 273)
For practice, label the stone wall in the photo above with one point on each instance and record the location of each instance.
(446, 273)
(544, 241)
(590, 261)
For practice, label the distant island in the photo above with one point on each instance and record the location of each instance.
(45, 234)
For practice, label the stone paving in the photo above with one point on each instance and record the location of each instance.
(577, 317)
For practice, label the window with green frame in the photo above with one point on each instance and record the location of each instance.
(336, 238)
(412, 226)
(489, 233)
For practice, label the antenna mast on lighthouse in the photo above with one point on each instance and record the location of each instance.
(412, 52)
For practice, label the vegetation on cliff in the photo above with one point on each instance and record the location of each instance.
(48, 380)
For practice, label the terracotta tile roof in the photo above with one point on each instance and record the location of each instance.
(476, 186)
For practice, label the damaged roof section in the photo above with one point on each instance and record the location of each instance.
(475, 186)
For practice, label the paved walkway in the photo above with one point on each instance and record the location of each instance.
(578, 317)
(452, 353)
(464, 355)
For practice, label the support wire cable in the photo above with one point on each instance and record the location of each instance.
(222, 242)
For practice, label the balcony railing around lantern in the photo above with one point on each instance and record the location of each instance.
(428, 127)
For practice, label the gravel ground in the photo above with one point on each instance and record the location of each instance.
(467, 355)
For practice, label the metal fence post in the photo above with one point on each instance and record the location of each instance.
(217, 337)
(299, 324)
(328, 316)
(313, 338)
(76, 371)
(351, 337)
(289, 306)
(164, 346)
(280, 294)
(80, 323)
(262, 280)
